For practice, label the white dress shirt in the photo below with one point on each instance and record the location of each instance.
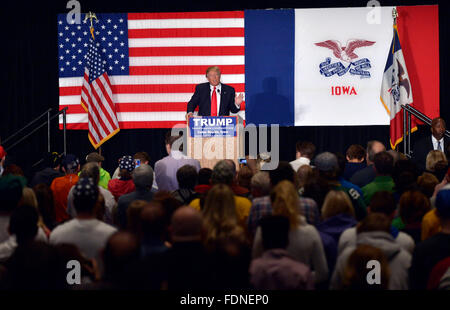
(299, 162)
(435, 143)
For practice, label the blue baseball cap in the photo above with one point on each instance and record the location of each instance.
(70, 161)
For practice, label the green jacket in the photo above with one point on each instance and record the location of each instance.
(104, 178)
(380, 183)
(398, 223)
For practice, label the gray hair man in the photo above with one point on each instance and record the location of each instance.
(260, 184)
(143, 180)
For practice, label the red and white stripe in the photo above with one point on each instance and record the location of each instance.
(169, 54)
(96, 99)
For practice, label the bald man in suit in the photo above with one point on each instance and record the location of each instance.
(436, 141)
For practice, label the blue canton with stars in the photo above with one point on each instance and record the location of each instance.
(94, 62)
(111, 41)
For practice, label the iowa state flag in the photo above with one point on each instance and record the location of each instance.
(396, 89)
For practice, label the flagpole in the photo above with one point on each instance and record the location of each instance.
(394, 16)
(406, 133)
(91, 16)
(405, 113)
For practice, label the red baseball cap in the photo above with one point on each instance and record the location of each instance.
(2, 152)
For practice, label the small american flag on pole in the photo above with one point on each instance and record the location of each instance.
(96, 97)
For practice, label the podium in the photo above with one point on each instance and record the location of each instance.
(213, 138)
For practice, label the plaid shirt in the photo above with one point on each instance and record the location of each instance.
(262, 206)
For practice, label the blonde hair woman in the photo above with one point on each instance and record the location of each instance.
(305, 244)
(284, 200)
(338, 215)
(337, 202)
(29, 198)
(433, 158)
(220, 218)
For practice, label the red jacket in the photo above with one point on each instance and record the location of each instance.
(119, 187)
(202, 188)
(60, 188)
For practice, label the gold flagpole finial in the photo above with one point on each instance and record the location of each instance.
(395, 15)
(90, 16)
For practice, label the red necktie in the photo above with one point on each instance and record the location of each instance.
(214, 103)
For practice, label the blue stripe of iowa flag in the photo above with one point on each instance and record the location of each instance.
(395, 46)
(269, 66)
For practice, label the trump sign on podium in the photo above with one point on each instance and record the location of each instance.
(212, 126)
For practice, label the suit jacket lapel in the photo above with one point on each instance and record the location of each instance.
(208, 97)
(430, 143)
(223, 95)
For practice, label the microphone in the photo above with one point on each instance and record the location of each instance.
(218, 91)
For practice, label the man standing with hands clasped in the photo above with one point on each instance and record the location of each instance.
(214, 98)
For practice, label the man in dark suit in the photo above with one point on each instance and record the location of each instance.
(214, 98)
(436, 141)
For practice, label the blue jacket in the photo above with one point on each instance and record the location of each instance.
(349, 185)
(330, 231)
(351, 168)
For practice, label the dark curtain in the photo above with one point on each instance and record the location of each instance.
(29, 80)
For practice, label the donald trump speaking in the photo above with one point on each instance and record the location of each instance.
(214, 98)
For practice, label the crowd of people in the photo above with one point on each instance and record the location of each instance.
(312, 224)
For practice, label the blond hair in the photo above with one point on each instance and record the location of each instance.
(285, 201)
(219, 213)
(433, 158)
(213, 68)
(29, 198)
(337, 202)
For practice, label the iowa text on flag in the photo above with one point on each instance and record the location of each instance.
(396, 89)
(96, 98)
(154, 61)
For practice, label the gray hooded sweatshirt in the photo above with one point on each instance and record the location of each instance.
(399, 260)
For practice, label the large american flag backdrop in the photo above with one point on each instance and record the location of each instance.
(154, 61)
